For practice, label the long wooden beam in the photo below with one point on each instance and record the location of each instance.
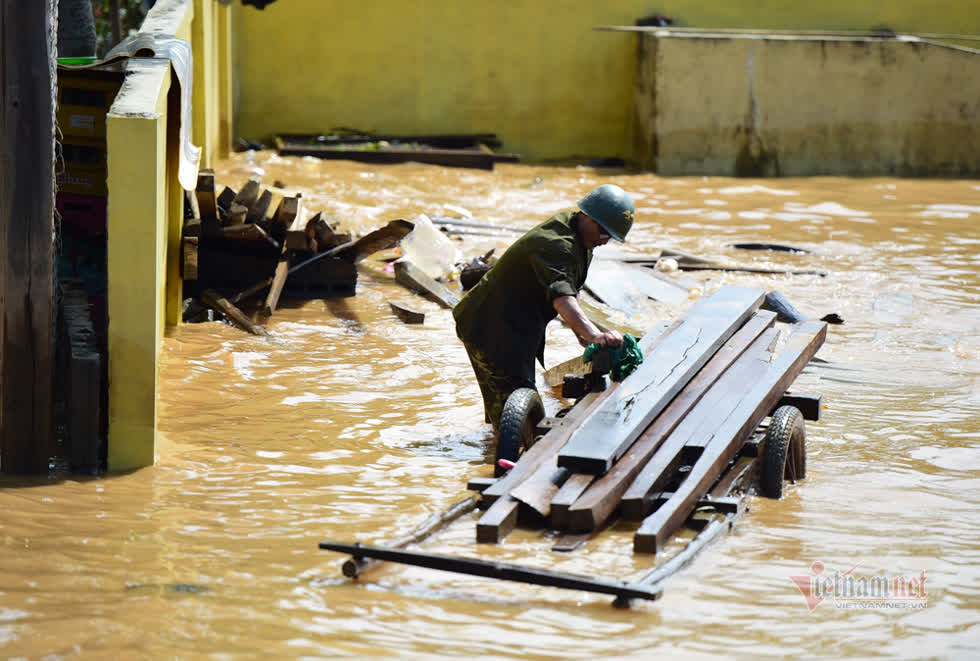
(609, 431)
(602, 498)
(637, 502)
(729, 436)
(498, 570)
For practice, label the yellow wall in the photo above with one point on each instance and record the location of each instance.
(145, 209)
(138, 209)
(534, 72)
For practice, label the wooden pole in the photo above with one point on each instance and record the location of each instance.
(27, 68)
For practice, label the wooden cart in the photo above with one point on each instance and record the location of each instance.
(681, 440)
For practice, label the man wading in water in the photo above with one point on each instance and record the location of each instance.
(502, 320)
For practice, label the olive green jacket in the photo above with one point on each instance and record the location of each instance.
(506, 313)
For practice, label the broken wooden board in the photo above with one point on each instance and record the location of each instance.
(637, 501)
(290, 211)
(537, 490)
(728, 437)
(216, 301)
(248, 195)
(656, 286)
(609, 431)
(407, 315)
(380, 239)
(602, 498)
(410, 276)
(609, 282)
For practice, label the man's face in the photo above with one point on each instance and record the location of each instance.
(593, 235)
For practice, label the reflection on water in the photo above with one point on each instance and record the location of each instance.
(354, 426)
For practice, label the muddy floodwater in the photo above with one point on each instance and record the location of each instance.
(353, 426)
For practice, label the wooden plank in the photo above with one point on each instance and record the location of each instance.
(730, 434)
(480, 484)
(537, 491)
(248, 195)
(236, 214)
(189, 263)
(225, 198)
(248, 232)
(497, 522)
(290, 211)
(216, 301)
(609, 282)
(599, 502)
(574, 487)
(570, 542)
(206, 200)
(407, 315)
(611, 429)
(380, 239)
(356, 566)
(749, 367)
(656, 286)
(257, 212)
(410, 276)
(498, 570)
(27, 227)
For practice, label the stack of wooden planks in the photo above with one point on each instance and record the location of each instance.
(706, 384)
(259, 241)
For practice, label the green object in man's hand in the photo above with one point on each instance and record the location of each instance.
(624, 358)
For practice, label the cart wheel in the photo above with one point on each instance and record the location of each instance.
(522, 412)
(784, 454)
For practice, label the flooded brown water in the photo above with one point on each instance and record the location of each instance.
(354, 426)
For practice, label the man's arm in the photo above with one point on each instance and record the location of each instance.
(587, 332)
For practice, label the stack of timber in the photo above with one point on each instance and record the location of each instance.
(704, 387)
(262, 243)
(667, 446)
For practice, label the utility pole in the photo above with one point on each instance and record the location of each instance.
(28, 52)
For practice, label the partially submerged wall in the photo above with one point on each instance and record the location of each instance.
(536, 73)
(754, 105)
(145, 209)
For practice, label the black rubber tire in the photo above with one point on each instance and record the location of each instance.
(784, 451)
(522, 412)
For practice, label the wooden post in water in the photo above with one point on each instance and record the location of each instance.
(27, 68)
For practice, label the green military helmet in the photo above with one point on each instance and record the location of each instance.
(611, 207)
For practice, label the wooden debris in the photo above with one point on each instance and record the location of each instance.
(380, 239)
(248, 195)
(609, 431)
(412, 277)
(216, 301)
(225, 199)
(407, 315)
(290, 211)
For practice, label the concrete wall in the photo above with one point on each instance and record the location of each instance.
(535, 73)
(792, 106)
(145, 210)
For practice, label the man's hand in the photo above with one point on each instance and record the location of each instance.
(587, 332)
